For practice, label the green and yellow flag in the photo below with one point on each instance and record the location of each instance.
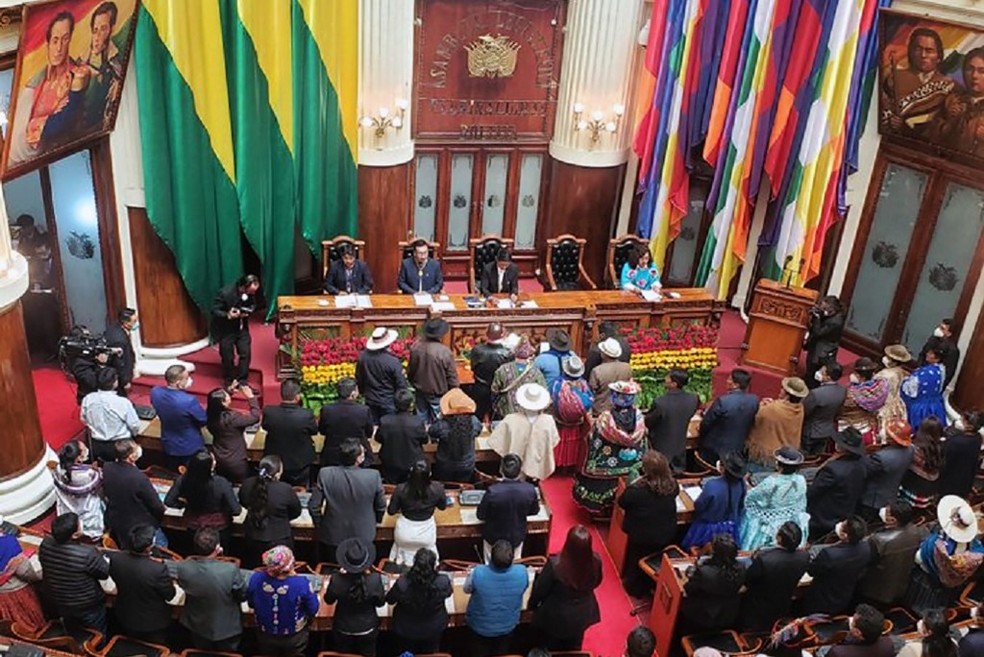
(248, 124)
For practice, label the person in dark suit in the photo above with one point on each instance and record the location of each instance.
(143, 588)
(379, 374)
(271, 505)
(505, 507)
(344, 418)
(725, 425)
(835, 491)
(823, 336)
(972, 645)
(606, 329)
(962, 455)
(893, 552)
(72, 572)
(865, 638)
(230, 326)
(885, 468)
(821, 408)
(420, 273)
(500, 277)
(214, 592)
(837, 569)
(711, 601)
(772, 579)
(945, 345)
(290, 430)
(118, 337)
(131, 499)
(562, 599)
(348, 500)
(348, 274)
(401, 439)
(486, 357)
(669, 418)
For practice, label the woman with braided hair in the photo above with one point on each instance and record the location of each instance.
(271, 504)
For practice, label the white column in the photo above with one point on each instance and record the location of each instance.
(597, 78)
(128, 183)
(386, 29)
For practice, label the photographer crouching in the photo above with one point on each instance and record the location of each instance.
(823, 336)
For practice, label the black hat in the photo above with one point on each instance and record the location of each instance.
(434, 329)
(850, 441)
(558, 339)
(355, 555)
(734, 464)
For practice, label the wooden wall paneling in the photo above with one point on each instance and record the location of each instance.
(385, 217)
(22, 440)
(969, 393)
(168, 316)
(109, 237)
(584, 202)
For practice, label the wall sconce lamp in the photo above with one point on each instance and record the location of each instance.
(598, 123)
(383, 119)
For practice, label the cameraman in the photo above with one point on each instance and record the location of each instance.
(86, 370)
(230, 326)
(823, 336)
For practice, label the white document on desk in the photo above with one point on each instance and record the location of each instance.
(679, 505)
(528, 304)
(503, 303)
(692, 491)
(652, 295)
(422, 299)
(345, 301)
(442, 305)
(363, 301)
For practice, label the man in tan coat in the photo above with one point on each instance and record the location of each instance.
(530, 433)
(610, 371)
(777, 423)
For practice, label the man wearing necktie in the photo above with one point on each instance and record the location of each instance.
(348, 274)
(420, 273)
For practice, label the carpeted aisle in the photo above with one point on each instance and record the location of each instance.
(608, 636)
(56, 406)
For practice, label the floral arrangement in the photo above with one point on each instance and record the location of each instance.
(690, 347)
(325, 362)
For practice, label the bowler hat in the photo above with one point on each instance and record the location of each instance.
(435, 329)
(355, 555)
(850, 441)
(558, 339)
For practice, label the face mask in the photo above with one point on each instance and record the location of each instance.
(938, 332)
(850, 623)
(921, 627)
(886, 361)
(187, 383)
(883, 514)
(975, 612)
(855, 378)
(839, 530)
(960, 425)
(244, 297)
(818, 375)
(139, 454)
(135, 326)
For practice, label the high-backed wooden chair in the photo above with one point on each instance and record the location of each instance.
(565, 264)
(330, 251)
(483, 250)
(619, 249)
(54, 636)
(124, 646)
(406, 249)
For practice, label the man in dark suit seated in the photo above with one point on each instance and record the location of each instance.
(419, 273)
(345, 418)
(669, 418)
(143, 588)
(500, 277)
(118, 336)
(725, 425)
(348, 274)
(505, 507)
(290, 430)
(348, 500)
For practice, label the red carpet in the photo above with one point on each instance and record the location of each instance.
(56, 405)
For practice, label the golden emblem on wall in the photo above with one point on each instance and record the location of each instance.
(492, 56)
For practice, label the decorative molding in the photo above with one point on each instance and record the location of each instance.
(30, 494)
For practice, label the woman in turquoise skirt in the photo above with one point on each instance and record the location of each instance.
(779, 498)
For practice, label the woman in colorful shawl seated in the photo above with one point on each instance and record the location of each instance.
(717, 510)
(922, 391)
(948, 558)
(865, 397)
(639, 273)
(572, 399)
(19, 600)
(615, 450)
(510, 376)
(896, 355)
(779, 498)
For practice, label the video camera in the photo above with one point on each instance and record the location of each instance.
(80, 343)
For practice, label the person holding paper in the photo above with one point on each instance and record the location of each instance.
(500, 277)
(348, 274)
(639, 273)
(420, 273)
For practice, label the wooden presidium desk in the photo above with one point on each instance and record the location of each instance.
(578, 312)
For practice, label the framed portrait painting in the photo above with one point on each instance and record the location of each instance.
(71, 64)
(931, 85)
